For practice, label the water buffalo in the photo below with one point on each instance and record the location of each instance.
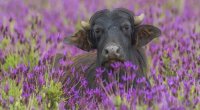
(110, 36)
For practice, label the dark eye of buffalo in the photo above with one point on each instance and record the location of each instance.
(98, 31)
(126, 28)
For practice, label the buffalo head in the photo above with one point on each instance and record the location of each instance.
(115, 35)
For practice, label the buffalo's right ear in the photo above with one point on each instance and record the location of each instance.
(145, 33)
(80, 39)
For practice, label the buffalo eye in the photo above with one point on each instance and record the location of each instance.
(98, 31)
(126, 28)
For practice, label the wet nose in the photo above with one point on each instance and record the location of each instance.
(111, 51)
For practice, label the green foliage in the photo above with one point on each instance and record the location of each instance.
(118, 100)
(166, 68)
(18, 52)
(11, 61)
(141, 107)
(15, 91)
(52, 94)
(28, 58)
(31, 58)
(4, 43)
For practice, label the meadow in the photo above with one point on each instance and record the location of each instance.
(33, 31)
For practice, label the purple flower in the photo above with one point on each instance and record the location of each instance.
(6, 87)
(62, 106)
(99, 72)
(30, 76)
(11, 99)
(41, 79)
(128, 64)
(61, 72)
(170, 82)
(1, 55)
(124, 78)
(73, 70)
(84, 83)
(84, 68)
(14, 71)
(135, 67)
(116, 65)
(39, 99)
(110, 73)
(123, 107)
(141, 80)
(195, 101)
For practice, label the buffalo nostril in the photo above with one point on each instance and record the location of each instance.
(117, 51)
(106, 51)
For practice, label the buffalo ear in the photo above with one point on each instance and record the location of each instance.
(145, 33)
(80, 39)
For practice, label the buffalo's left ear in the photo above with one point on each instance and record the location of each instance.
(80, 39)
(145, 33)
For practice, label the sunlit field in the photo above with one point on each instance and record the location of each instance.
(32, 32)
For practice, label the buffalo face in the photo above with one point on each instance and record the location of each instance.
(115, 35)
(111, 35)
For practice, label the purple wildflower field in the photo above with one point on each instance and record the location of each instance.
(32, 32)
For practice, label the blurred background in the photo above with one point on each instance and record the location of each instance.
(32, 31)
